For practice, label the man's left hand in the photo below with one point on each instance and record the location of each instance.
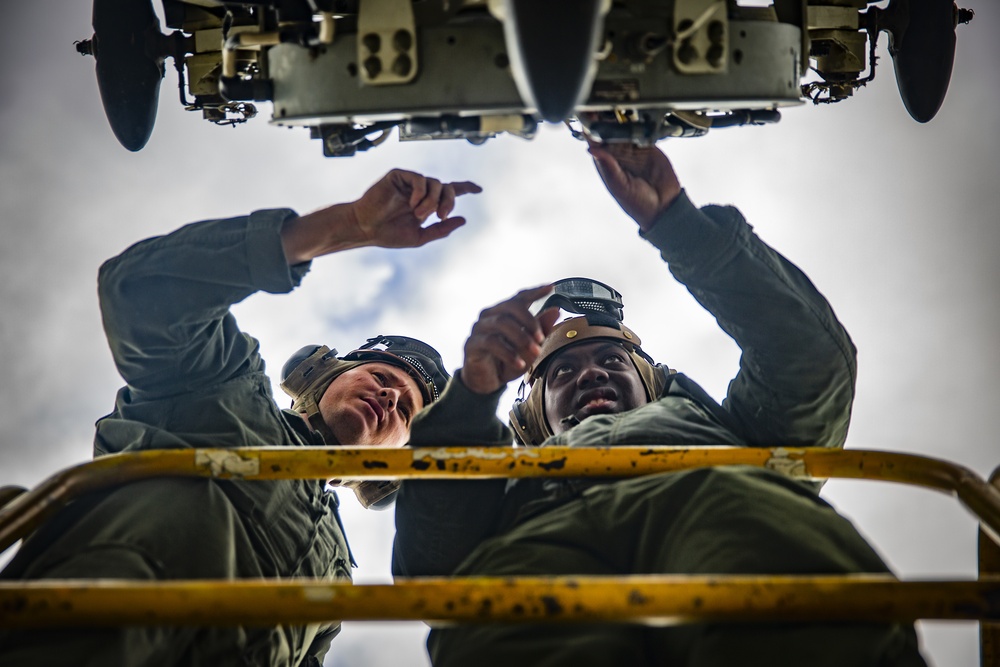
(392, 212)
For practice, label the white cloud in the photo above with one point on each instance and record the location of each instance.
(894, 221)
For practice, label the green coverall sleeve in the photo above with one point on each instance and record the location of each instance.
(195, 380)
(796, 380)
(439, 522)
(165, 302)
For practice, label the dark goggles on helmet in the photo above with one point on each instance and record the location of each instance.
(600, 303)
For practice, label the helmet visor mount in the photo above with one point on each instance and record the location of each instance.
(600, 304)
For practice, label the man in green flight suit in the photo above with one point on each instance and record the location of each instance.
(195, 380)
(591, 384)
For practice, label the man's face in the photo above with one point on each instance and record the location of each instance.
(371, 404)
(588, 379)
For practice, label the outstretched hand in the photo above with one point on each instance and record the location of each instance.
(505, 340)
(641, 179)
(392, 212)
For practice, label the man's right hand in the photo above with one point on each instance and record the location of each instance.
(505, 340)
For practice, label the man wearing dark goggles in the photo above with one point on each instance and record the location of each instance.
(590, 384)
(194, 380)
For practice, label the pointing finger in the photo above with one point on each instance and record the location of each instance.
(466, 188)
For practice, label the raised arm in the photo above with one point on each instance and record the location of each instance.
(438, 523)
(796, 380)
(165, 301)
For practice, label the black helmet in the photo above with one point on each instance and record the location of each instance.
(308, 373)
(601, 309)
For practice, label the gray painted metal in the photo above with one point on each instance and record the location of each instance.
(464, 71)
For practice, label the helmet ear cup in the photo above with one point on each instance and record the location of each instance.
(527, 418)
(519, 422)
(300, 355)
(658, 377)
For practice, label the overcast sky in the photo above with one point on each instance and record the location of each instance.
(895, 222)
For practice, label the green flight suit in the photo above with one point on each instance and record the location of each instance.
(193, 380)
(794, 388)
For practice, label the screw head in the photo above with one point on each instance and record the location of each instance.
(372, 42)
(402, 65)
(402, 40)
(373, 66)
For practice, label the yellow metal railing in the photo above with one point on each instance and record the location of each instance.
(646, 598)
(989, 566)
(24, 513)
(652, 598)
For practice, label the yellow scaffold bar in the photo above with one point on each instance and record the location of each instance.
(655, 599)
(989, 566)
(26, 511)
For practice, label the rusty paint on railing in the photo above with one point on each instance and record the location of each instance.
(655, 599)
(26, 511)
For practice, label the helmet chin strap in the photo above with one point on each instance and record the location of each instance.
(318, 424)
(369, 492)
